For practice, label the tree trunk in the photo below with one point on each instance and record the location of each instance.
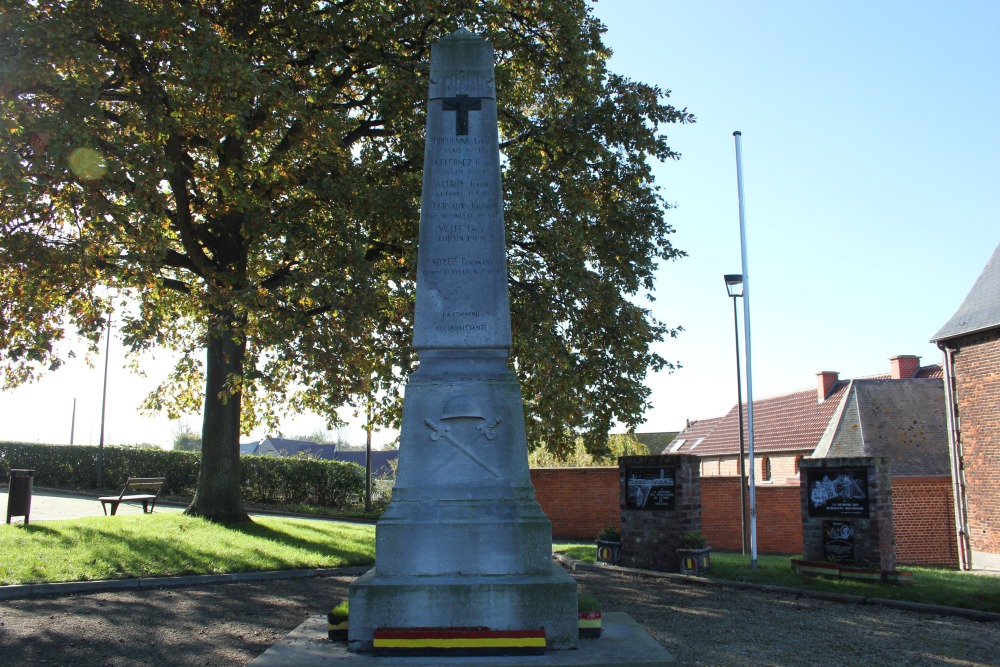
(218, 497)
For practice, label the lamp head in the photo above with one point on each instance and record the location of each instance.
(734, 284)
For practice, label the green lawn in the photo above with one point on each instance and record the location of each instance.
(151, 545)
(174, 544)
(930, 585)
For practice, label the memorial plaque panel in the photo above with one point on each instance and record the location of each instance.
(650, 488)
(838, 541)
(838, 492)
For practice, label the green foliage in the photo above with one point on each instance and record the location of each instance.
(169, 544)
(609, 534)
(277, 480)
(75, 466)
(618, 444)
(585, 602)
(186, 440)
(339, 613)
(244, 179)
(382, 486)
(265, 480)
(693, 540)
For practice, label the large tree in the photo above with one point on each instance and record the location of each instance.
(239, 181)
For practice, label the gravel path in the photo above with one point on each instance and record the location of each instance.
(233, 623)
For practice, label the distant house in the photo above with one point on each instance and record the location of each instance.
(248, 448)
(272, 446)
(898, 414)
(970, 341)
(656, 441)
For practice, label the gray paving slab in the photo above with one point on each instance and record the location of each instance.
(50, 505)
(624, 643)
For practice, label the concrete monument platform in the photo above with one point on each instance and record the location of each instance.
(624, 643)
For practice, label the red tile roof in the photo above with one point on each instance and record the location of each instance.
(934, 371)
(793, 422)
(789, 423)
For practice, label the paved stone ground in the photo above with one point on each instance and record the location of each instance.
(230, 624)
(47, 505)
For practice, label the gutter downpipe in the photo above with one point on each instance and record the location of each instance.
(955, 459)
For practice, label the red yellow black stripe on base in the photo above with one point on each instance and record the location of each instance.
(457, 641)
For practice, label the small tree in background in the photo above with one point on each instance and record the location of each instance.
(186, 439)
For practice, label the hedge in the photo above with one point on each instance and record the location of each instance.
(264, 479)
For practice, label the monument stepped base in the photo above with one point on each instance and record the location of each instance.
(499, 602)
(624, 643)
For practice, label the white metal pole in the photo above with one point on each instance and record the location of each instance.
(104, 404)
(746, 339)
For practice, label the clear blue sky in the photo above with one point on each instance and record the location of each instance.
(870, 146)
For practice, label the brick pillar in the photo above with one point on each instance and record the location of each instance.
(660, 499)
(847, 512)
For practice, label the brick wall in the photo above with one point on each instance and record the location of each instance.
(720, 512)
(581, 501)
(784, 467)
(779, 524)
(977, 390)
(578, 501)
(924, 521)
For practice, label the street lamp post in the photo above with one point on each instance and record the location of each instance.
(734, 286)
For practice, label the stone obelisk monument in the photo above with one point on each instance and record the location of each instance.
(463, 542)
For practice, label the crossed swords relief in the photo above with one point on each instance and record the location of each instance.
(438, 432)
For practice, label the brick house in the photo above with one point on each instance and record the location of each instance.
(899, 415)
(812, 421)
(970, 341)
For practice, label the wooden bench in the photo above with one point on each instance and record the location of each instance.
(151, 485)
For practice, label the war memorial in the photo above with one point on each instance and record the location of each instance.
(464, 547)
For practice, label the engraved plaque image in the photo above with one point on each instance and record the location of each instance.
(838, 541)
(650, 488)
(838, 492)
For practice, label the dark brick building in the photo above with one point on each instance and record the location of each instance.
(970, 341)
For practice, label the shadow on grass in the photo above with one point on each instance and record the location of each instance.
(352, 547)
(170, 545)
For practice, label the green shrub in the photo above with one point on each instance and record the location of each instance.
(585, 602)
(266, 480)
(609, 534)
(693, 540)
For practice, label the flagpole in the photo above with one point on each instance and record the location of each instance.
(746, 338)
(104, 404)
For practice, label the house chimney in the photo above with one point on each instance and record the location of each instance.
(826, 381)
(904, 366)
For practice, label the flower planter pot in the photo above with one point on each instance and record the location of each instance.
(589, 623)
(860, 574)
(836, 571)
(816, 569)
(695, 561)
(900, 578)
(336, 623)
(608, 552)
